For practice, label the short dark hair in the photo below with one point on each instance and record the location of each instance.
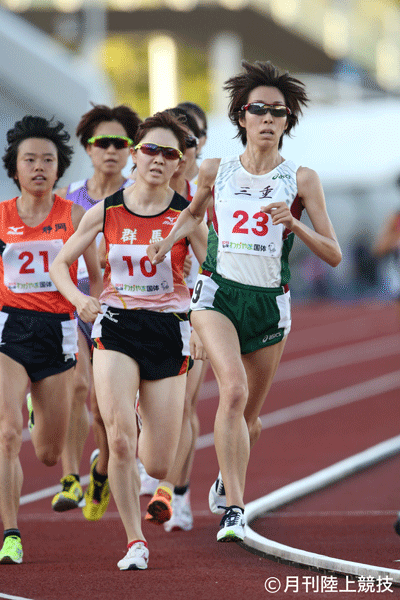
(37, 127)
(185, 118)
(264, 74)
(127, 117)
(163, 120)
(195, 109)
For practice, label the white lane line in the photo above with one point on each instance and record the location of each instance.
(353, 393)
(13, 597)
(348, 395)
(360, 352)
(305, 486)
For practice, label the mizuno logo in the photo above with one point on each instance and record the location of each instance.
(14, 230)
(110, 315)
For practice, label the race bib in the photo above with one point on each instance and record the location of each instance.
(27, 264)
(133, 274)
(244, 229)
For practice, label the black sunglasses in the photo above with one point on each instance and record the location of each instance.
(105, 141)
(259, 108)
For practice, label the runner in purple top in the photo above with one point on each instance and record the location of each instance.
(106, 134)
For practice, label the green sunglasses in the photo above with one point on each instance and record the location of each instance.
(105, 141)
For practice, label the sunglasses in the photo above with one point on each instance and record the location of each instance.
(191, 142)
(259, 108)
(105, 141)
(167, 151)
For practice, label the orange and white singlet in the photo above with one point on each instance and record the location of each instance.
(130, 280)
(26, 257)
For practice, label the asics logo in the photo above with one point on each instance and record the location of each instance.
(271, 337)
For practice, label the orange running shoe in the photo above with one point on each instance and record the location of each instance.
(159, 509)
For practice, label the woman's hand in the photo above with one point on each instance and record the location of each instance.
(88, 308)
(280, 214)
(158, 251)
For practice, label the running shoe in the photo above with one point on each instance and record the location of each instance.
(71, 495)
(159, 509)
(232, 527)
(182, 518)
(97, 495)
(136, 558)
(11, 552)
(148, 485)
(217, 497)
(31, 421)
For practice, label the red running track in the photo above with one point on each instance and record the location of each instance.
(344, 358)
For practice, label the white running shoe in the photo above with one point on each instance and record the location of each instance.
(148, 485)
(136, 558)
(232, 527)
(217, 497)
(182, 517)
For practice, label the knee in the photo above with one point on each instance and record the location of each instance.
(121, 445)
(10, 439)
(234, 395)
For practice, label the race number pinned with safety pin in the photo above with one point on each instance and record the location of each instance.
(133, 274)
(27, 265)
(243, 228)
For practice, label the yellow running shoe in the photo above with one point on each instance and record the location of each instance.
(159, 509)
(97, 495)
(11, 552)
(71, 495)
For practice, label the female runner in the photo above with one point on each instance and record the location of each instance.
(241, 300)
(107, 135)
(141, 331)
(38, 332)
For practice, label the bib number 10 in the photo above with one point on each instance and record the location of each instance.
(147, 269)
(260, 227)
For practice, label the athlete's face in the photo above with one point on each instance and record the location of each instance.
(108, 161)
(37, 165)
(156, 170)
(264, 130)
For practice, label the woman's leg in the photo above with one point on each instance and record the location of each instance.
(232, 441)
(51, 401)
(79, 422)
(117, 379)
(13, 384)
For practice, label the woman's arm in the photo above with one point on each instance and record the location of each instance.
(192, 216)
(322, 240)
(198, 241)
(90, 225)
